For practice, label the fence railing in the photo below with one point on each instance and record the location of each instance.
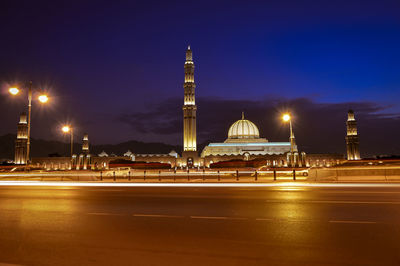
(162, 175)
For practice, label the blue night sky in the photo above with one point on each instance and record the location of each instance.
(114, 69)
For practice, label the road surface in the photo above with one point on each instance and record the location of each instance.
(283, 225)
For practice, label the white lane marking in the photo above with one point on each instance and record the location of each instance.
(283, 220)
(352, 222)
(104, 213)
(227, 218)
(210, 217)
(157, 215)
(296, 221)
(278, 184)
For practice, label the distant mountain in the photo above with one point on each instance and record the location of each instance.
(44, 148)
(7, 146)
(135, 147)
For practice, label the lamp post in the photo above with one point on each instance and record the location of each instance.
(43, 98)
(69, 129)
(287, 118)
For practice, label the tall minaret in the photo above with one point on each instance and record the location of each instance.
(189, 107)
(21, 143)
(352, 142)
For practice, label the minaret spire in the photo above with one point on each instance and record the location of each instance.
(189, 107)
(21, 143)
(85, 144)
(352, 142)
(189, 56)
(292, 138)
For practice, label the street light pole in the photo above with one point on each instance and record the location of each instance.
(28, 148)
(72, 141)
(287, 118)
(43, 99)
(70, 130)
(291, 143)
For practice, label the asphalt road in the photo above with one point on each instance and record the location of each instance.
(200, 226)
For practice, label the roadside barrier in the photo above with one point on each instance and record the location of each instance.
(170, 175)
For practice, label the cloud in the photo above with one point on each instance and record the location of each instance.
(163, 118)
(319, 127)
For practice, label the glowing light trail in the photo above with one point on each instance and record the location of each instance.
(121, 184)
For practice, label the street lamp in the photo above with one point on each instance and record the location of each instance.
(287, 118)
(43, 98)
(69, 129)
(14, 91)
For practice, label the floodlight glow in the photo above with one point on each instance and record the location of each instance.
(286, 117)
(43, 98)
(13, 91)
(65, 129)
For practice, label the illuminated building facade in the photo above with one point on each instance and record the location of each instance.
(244, 143)
(352, 142)
(21, 143)
(244, 139)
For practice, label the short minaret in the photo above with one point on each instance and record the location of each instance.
(292, 139)
(85, 144)
(189, 107)
(293, 156)
(21, 143)
(352, 142)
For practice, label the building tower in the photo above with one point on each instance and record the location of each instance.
(352, 142)
(21, 143)
(85, 144)
(189, 112)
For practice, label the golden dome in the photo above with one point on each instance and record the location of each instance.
(243, 129)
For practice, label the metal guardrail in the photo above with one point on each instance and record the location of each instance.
(160, 175)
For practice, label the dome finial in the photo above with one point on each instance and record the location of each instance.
(242, 115)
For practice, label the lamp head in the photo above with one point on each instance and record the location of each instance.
(13, 91)
(286, 117)
(65, 129)
(43, 98)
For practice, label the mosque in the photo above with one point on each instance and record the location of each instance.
(243, 144)
(244, 139)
